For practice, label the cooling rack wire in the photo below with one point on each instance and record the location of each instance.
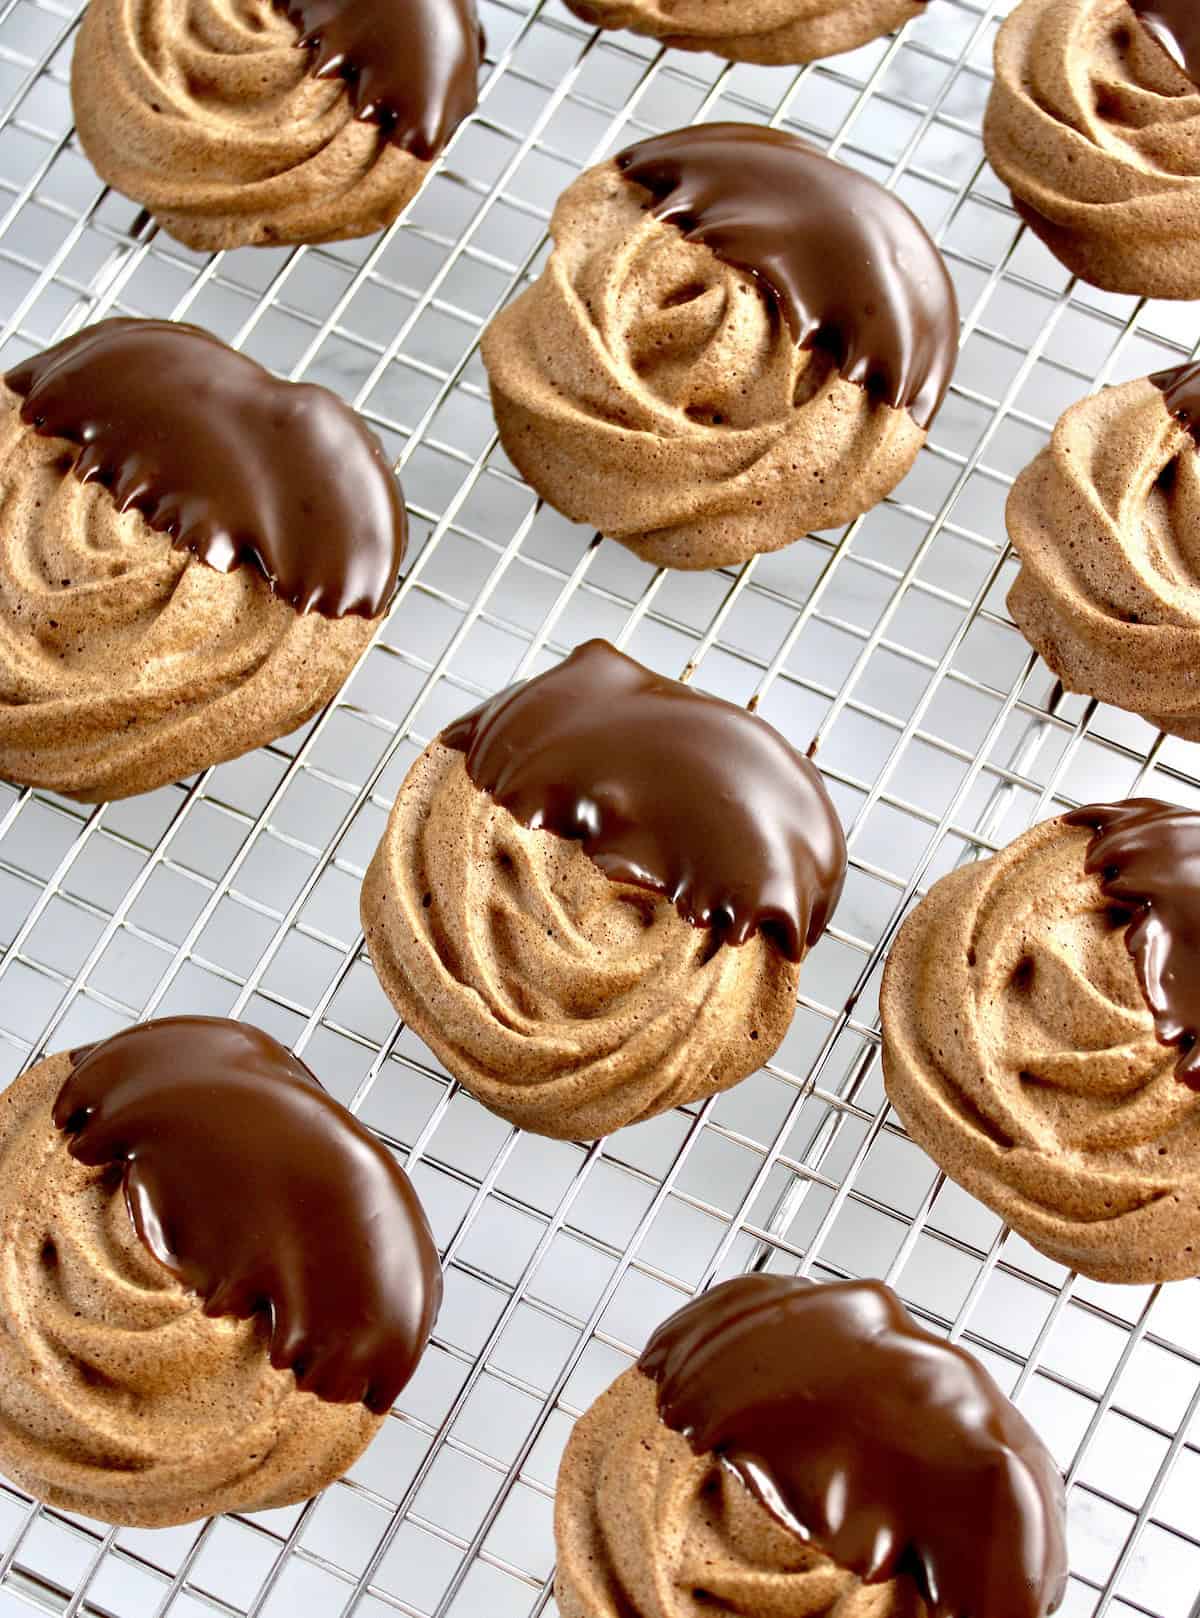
(939, 734)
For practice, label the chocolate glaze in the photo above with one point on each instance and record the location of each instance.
(258, 1191)
(234, 464)
(852, 269)
(1181, 391)
(667, 788)
(1147, 855)
(411, 66)
(1175, 24)
(893, 1450)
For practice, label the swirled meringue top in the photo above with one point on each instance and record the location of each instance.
(1104, 522)
(1095, 128)
(1020, 1051)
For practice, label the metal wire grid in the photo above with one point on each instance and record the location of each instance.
(939, 734)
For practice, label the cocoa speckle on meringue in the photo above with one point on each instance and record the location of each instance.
(1095, 129)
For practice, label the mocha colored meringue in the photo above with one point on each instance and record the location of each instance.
(125, 663)
(1020, 1052)
(1105, 523)
(1095, 128)
(566, 1002)
(119, 1397)
(211, 114)
(648, 387)
(768, 31)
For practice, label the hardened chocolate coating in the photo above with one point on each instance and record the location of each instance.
(234, 464)
(667, 788)
(852, 268)
(257, 1190)
(1147, 856)
(1176, 26)
(410, 65)
(892, 1449)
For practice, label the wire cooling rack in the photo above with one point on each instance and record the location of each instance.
(939, 734)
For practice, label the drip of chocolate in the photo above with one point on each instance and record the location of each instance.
(411, 66)
(1175, 25)
(892, 1450)
(235, 465)
(1180, 388)
(1147, 855)
(852, 269)
(666, 788)
(257, 1190)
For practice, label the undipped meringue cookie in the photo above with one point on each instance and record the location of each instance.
(519, 909)
(1094, 125)
(1106, 522)
(263, 122)
(193, 555)
(214, 1280)
(787, 1450)
(767, 31)
(1039, 1010)
(735, 340)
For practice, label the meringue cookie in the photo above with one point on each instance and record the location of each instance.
(1104, 522)
(1095, 129)
(1021, 1053)
(699, 411)
(128, 658)
(235, 125)
(910, 1465)
(769, 31)
(540, 964)
(121, 1397)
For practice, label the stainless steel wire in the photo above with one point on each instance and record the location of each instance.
(885, 645)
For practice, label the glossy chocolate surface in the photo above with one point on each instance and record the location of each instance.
(1147, 856)
(1181, 393)
(889, 1448)
(411, 66)
(257, 1190)
(1175, 24)
(667, 788)
(853, 271)
(235, 465)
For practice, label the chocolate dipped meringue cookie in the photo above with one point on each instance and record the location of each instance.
(790, 1450)
(1039, 1016)
(267, 122)
(1105, 523)
(214, 1283)
(1094, 126)
(767, 31)
(594, 894)
(193, 555)
(735, 340)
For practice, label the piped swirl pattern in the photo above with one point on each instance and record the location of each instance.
(1095, 129)
(1106, 523)
(564, 1001)
(783, 30)
(1021, 1054)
